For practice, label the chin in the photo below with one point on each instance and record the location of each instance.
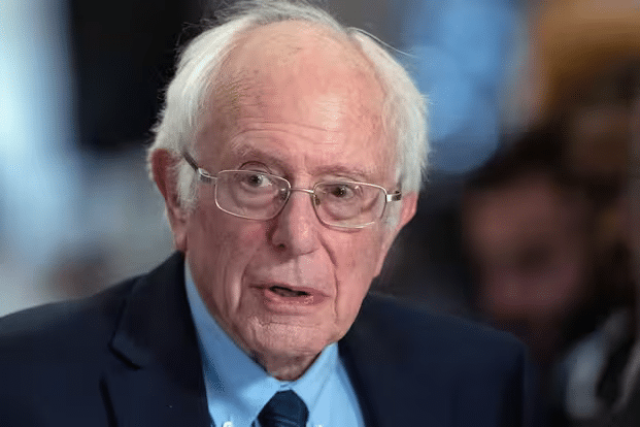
(291, 341)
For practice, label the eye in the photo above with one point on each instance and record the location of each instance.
(340, 191)
(255, 175)
(256, 180)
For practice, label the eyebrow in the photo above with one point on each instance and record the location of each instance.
(358, 172)
(250, 153)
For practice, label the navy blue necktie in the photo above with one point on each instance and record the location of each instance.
(285, 409)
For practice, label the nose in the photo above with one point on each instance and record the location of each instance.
(295, 228)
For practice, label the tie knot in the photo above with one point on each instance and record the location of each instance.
(285, 409)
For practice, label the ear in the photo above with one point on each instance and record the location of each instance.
(409, 207)
(163, 166)
(407, 212)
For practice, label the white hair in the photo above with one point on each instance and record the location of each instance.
(198, 71)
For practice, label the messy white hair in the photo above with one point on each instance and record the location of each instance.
(199, 70)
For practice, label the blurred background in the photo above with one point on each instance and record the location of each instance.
(524, 222)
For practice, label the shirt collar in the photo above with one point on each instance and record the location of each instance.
(238, 387)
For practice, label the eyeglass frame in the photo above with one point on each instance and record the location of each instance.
(207, 177)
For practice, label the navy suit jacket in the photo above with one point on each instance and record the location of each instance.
(129, 357)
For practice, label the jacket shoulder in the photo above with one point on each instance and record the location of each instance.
(65, 355)
(60, 327)
(406, 357)
(443, 335)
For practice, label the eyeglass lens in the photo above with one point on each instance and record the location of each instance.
(257, 195)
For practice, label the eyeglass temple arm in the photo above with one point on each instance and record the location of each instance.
(190, 160)
(204, 176)
(394, 197)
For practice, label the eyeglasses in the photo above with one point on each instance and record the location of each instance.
(260, 195)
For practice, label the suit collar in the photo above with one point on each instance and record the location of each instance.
(156, 378)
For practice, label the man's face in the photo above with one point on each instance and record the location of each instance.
(298, 104)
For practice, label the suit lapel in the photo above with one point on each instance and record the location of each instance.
(155, 377)
(380, 361)
(370, 366)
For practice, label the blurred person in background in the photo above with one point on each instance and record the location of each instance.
(542, 270)
(625, 377)
(583, 86)
(290, 154)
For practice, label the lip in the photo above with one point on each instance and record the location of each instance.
(294, 304)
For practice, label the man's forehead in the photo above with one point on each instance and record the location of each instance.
(294, 52)
(291, 41)
(299, 71)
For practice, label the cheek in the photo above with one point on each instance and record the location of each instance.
(355, 270)
(219, 248)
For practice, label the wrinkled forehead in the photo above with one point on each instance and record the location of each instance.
(318, 68)
(296, 44)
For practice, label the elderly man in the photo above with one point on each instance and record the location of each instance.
(289, 156)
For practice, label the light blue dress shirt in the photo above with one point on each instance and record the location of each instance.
(238, 388)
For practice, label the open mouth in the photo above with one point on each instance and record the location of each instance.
(287, 292)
